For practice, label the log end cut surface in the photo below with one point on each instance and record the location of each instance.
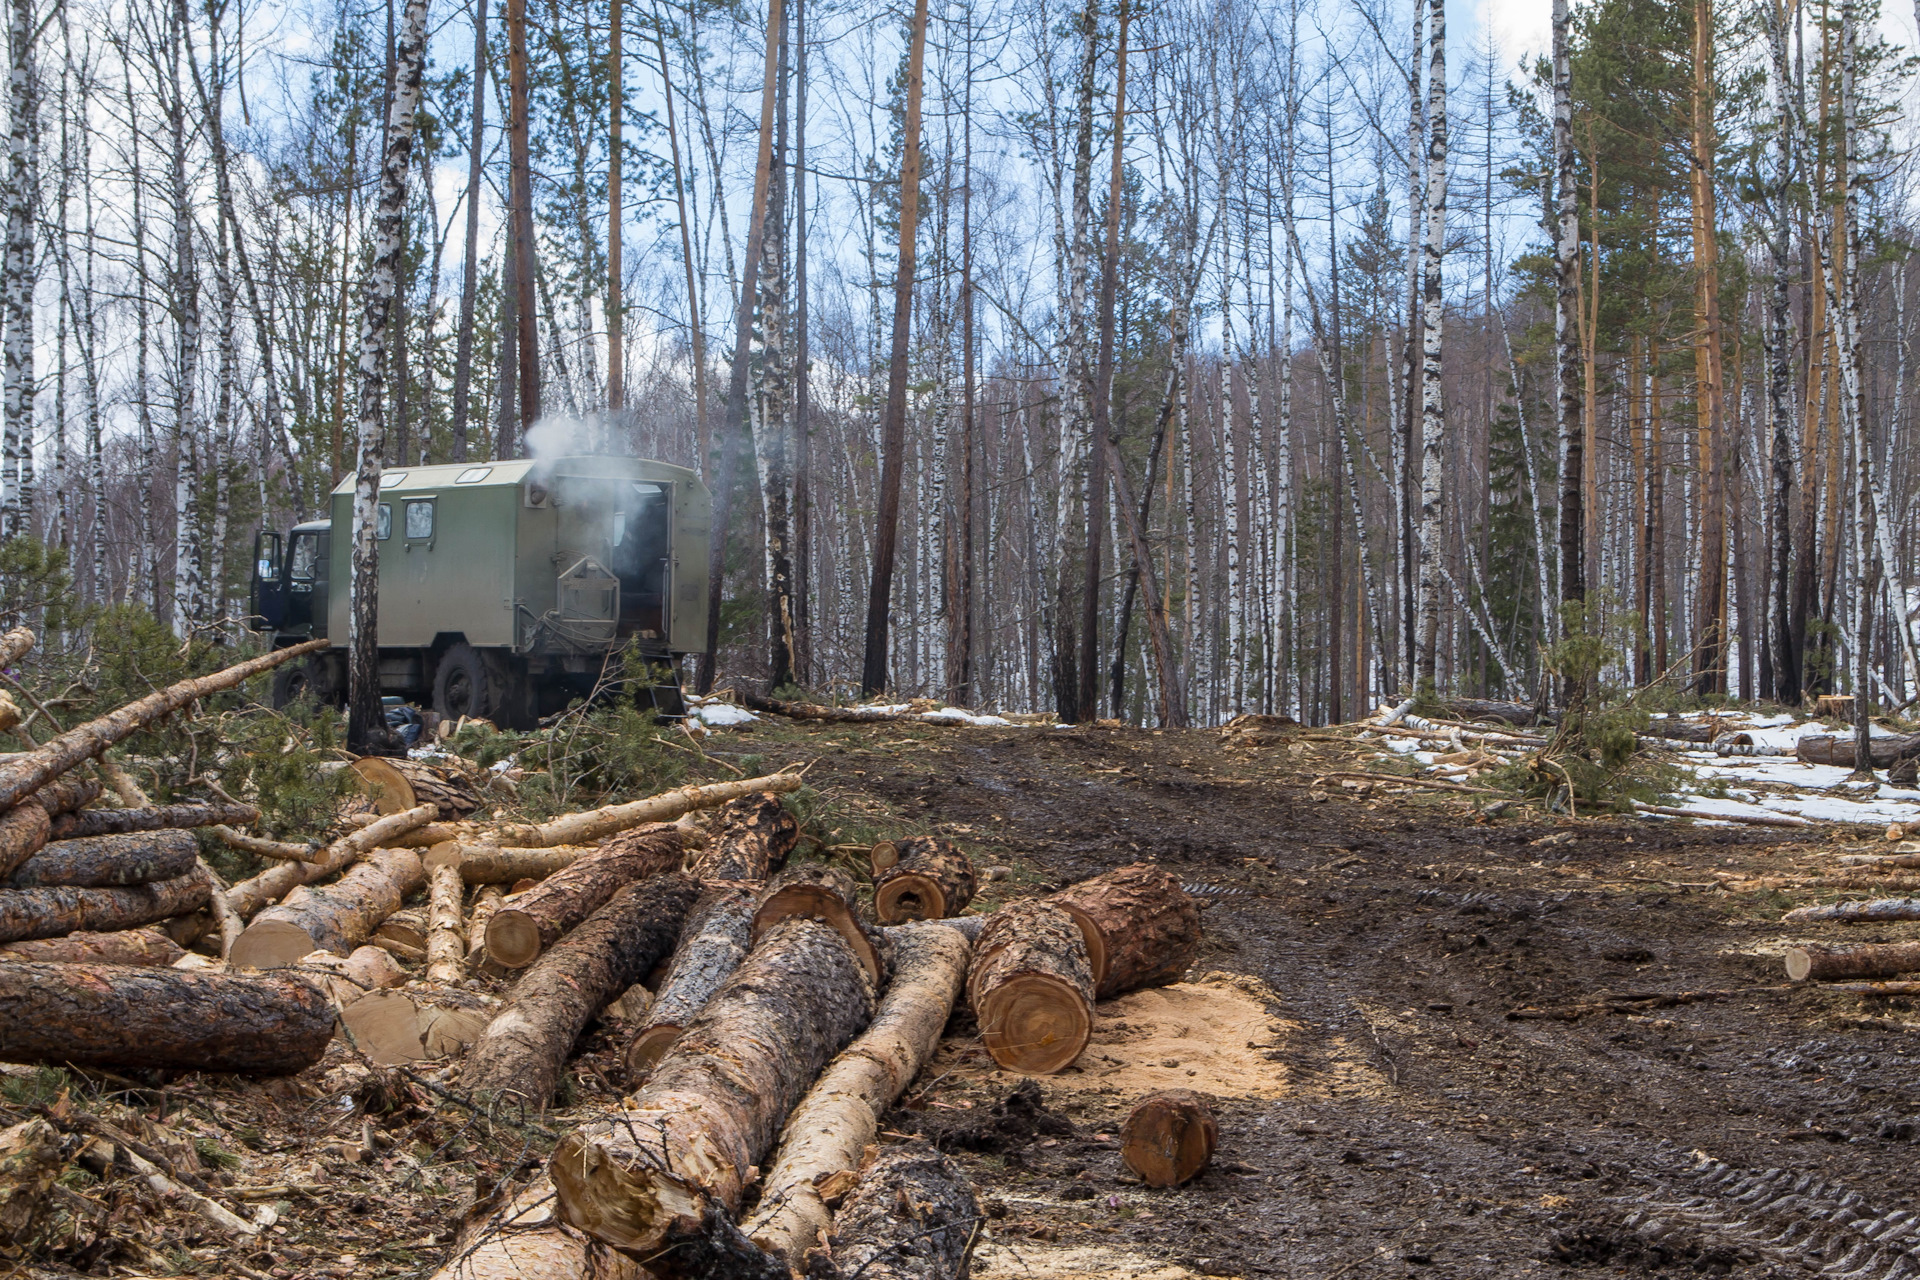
(1035, 1022)
(1169, 1138)
(513, 938)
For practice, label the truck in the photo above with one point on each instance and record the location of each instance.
(507, 589)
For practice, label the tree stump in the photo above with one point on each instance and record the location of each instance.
(1142, 928)
(930, 880)
(1169, 1137)
(716, 938)
(335, 918)
(524, 927)
(47, 913)
(105, 862)
(1031, 988)
(816, 891)
(397, 785)
(913, 1217)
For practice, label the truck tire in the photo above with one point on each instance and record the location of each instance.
(312, 680)
(467, 683)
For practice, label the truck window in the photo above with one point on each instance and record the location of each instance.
(383, 526)
(419, 520)
(473, 475)
(305, 554)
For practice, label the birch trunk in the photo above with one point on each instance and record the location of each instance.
(1785, 660)
(16, 468)
(1709, 667)
(1566, 250)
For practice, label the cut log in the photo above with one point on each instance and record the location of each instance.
(64, 795)
(30, 770)
(598, 824)
(840, 1116)
(347, 978)
(817, 891)
(1031, 988)
(149, 947)
(932, 879)
(123, 1017)
(14, 645)
(226, 921)
(312, 851)
(336, 918)
(1829, 749)
(525, 1047)
(755, 835)
(1146, 924)
(24, 831)
(486, 901)
(521, 929)
(1870, 960)
(487, 864)
(418, 1024)
(1875, 911)
(525, 1240)
(102, 862)
(48, 913)
(715, 1103)
(883, 855)
(446, 947)
(453, 1021)
(273, 884)
(913, 1217)
(408, 928)
(30, 1160)
(397, 785)
(103, 822)
(717, 935)
(1169, 1137)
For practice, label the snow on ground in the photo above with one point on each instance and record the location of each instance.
(721, 715)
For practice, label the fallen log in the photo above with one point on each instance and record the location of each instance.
(486, 901)
(913, 1217)
(1031, 987)
(1745, 819)
(14, 645)
(1839, 750)
(755, 835)
(446, 948)
(598, 824)
(101, 862)
(347, 978)
(817, 891)
(149, 947)
(103, 822)
(525, 1046)
(1874, 911)
(311, 851)
(1882, 860)
(397, 785)
(840, 1116)
(930, 879)
(525, 1240)
(1518, 714)
(1869, 960)
(489, 864)
(716, 938)
(47, 913)
(1169, 1137)
(122, 1017)
(1873, 988)
(1142, 927)
(64, 795)
(711, 1109)
(24, 831)
(273, 884)
(30, 770)
(533, 921)
(336, 918)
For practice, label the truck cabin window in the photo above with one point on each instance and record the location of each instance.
(383, 527)
(419, 520)
(306, 554)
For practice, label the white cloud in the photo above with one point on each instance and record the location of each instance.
(1521, 28)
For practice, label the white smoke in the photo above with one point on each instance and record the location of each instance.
(560, 436)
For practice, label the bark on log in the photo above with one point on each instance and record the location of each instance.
(913, 1217)
(755, 835)
(30, 770)
(521, 929)
(446, 948)
(336, 918)
(525, 1240)
(714, 1105)
(486, 901)
(1169, 1137)
(1143, 927)
(24, 831)
(103, 862)
(488, 864)
(102, 822)
(273, 884)
(148, 947)
(30, 1160)
(840, 1116)
(397, 785)
(1827, 749)
(64, 795)
(525, 1047)
(312, 851)
(1031, 988)
(47, 913)
(14, 645)
(817, 891)
(121, 1017)
(598, 824)
(1872, 912)
(1870, 960)
(932, 879)
(716, 938)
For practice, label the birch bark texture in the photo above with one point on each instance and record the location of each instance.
(1433, 414)
(16, 467)
(1566, 251)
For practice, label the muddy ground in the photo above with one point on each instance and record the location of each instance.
(1383, 1112)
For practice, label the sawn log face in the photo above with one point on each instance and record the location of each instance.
(817, 891)
(104, 862)
(335, 917)
(930, 880)
(1149, 926)
(48, 913)
(1031, 987)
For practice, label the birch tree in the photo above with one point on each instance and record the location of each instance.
(1433, 421)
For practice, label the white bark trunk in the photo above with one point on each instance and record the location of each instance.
(1432, 400)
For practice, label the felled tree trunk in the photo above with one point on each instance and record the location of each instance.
(102, 862)
(122, 1017)
(930, 880)
(816, 891)
(395, 785)
(1871, 960)
(31, 769)
(446, 948)
(840, 1115)
(48, 913)
(913, 1217)
(275, 883)
(486, 901)
(525, 1047)
(1169, 1137)
(598, 824)
(756, 833)
(716, 939)
(533, 921)
(347, 978)
(64, 795)
(486, 864)
(1031, 988)
(1826, 749)
(310, 852)
(24, 831)
(714, 1104)
(336, 918)
(1142, 928)
(127, 946)
(104, 822)
(1877, 911)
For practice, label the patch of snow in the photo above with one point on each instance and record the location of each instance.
(723, 714)
(957, 715)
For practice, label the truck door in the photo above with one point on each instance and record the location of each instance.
(269, 605)
(306, 569)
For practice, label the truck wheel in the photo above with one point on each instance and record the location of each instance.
(296, 680)
(466, 684)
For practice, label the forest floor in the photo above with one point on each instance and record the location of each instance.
(1662, 1105)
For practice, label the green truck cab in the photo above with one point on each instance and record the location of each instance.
(504, 586)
